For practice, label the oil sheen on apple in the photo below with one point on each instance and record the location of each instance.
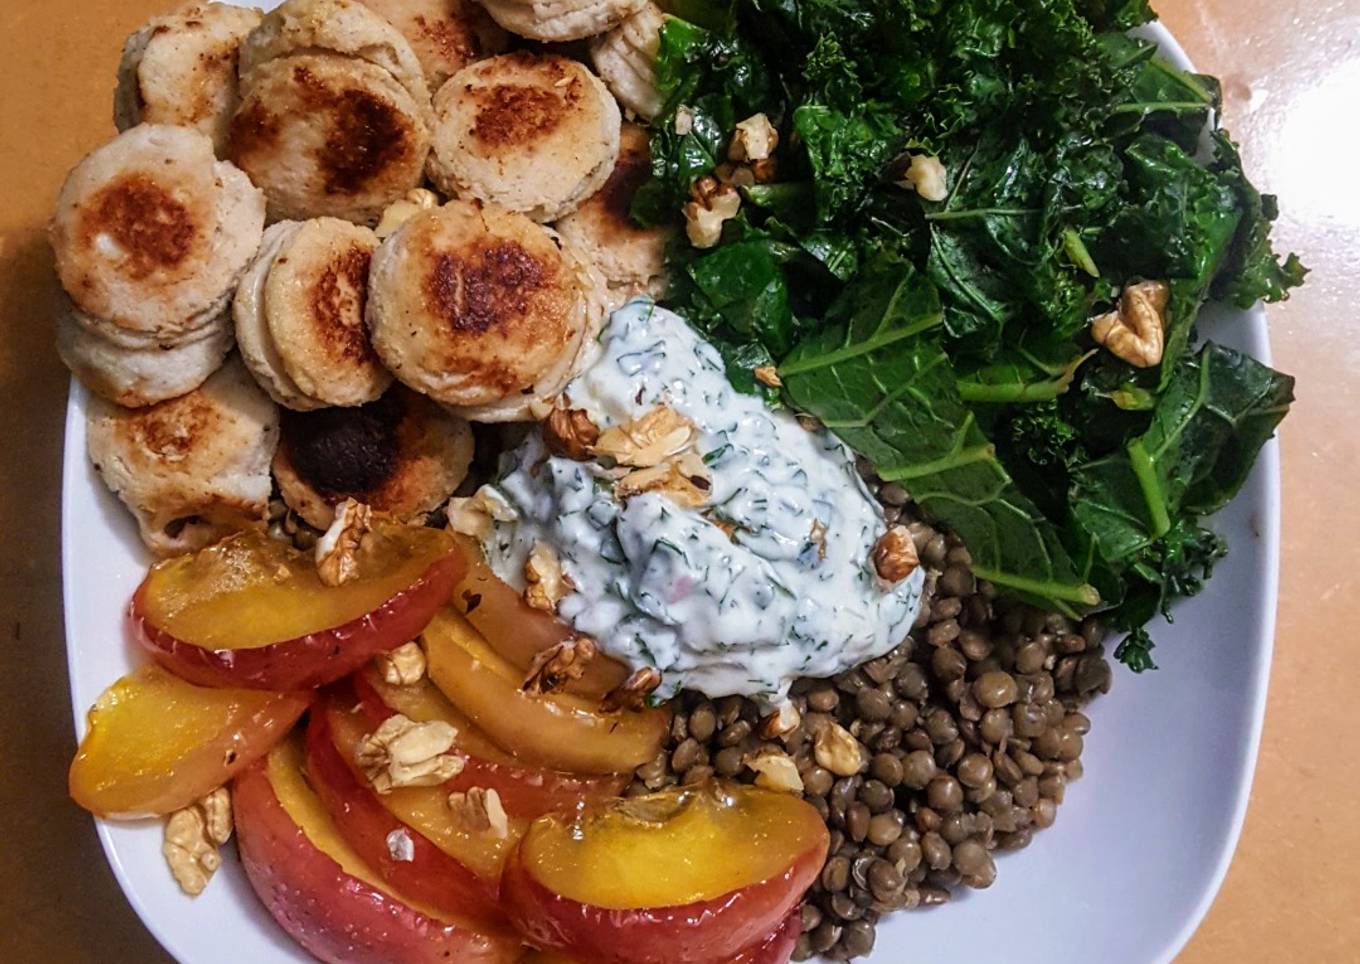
(663, 585)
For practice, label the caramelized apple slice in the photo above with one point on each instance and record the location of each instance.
(525, 791)
(156, 744)
(556, 730)
(775, 949)
(449, 867)
(677, 877)
(322, 893)
(251, 611)
(517, 631)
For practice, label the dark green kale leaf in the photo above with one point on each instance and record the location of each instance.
(1218, 410)
(877, 378)
(846, 152)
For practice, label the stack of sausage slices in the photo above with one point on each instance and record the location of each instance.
(328, 238)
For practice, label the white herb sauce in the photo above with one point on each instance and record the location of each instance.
(661, 585)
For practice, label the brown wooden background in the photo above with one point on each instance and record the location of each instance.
(1292, 77)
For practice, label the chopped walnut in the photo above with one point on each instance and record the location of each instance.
(632, 693)
(684, 479)
(403, 209)
(927, 177)
(764, 171)
(337, 551)
(781, 722)
(474, 515)
(713, 204)
(684, 120)
(400, 846)
(1135, 331)
(895, 555)
(775, 770)
(754, 140)
(768, 375)
(479, 810)
(569, 432)
(404, 753)
(403, 666)
(836, 749)
(649, 439)
(545, 582)
(192, 836)
(554, 667)
(817, 536)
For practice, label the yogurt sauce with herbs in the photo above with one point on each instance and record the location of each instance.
(662, 585)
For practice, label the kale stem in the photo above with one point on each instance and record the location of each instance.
(1146, 472)
(980, 213)
(1082, 595)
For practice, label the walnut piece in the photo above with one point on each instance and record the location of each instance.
(545, 582)
(684, 120)
(569, 433)
(775, 770)
(192, 836)
(632, 693)
(400, 846)
(836, 749)
(684, 479)
(474, 515)
(479, 810)
(714, 203)
(817, 536)
(754, 140)
(554, 667)
(768, 375)
(403, 666)
(927, 177)
(404, 753)
(782, 721)
(649, 439)
(895, 555)
(337, 551)
(1135, 331)
(403, 209)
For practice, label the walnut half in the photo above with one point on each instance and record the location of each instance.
(192, 836)
(1136, 330)
(337, 551)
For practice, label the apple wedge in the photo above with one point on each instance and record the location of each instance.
(156, 743)
(320, 891)
(452, 869)
(555, 730)
(775, 949)
(517, 631)
(677, 877)
(252, 612)
(525, 791)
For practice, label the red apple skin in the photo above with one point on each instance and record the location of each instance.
(698, 933)
(336, 917)
(778, 947)
(525, 791)
(431, 876)
(305, 662)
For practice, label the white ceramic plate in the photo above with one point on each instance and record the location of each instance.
(1140, 846)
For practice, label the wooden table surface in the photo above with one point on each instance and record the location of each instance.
(1291, 75)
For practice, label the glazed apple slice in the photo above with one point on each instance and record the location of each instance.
(517, 631)
(155, 743)
(677, 877)
(525, 791)
(251, 611)
(446, 866)
(557, 730)
(775, 949)
(322, 893)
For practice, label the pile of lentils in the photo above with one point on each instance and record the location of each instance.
(969, 733)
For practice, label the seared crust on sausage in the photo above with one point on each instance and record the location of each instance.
(191, 469)
(479, 307)
(402, 454)
(324, 134)
(446, 35)
(314, 305)
(151, 231)
(181, 69)
(632, 259)
(344, 27)
(535, 134)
